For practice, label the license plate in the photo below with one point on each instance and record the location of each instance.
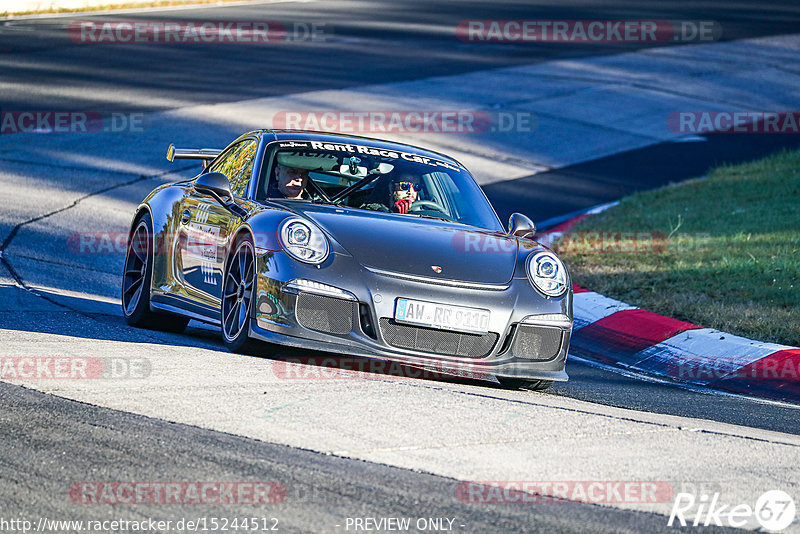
(442, 316)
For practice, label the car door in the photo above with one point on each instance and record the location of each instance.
(206, 224)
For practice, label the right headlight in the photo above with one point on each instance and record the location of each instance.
(547, 273)
(303, 240)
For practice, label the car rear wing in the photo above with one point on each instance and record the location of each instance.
(205, 154)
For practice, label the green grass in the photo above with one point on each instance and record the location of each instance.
(731, 258)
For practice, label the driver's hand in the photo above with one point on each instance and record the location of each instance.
(402, 206)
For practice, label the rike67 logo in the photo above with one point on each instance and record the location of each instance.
(773, 511)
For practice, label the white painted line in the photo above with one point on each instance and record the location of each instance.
(555, 221)
(601, 208)
(681, 385)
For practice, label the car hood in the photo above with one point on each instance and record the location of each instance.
(418, 246)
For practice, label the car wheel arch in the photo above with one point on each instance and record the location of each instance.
(140, 211)
(241, 233)
(242, 342)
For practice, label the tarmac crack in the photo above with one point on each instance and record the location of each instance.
(4, 259)
(60, 263)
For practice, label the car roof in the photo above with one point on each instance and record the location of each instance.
(327, 137)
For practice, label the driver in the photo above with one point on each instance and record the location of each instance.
(403, 193)
(291, 181)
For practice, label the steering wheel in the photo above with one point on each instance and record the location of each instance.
(419, 205)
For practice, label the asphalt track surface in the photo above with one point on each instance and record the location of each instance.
(365, 42)
(320, 490)
(50, 442)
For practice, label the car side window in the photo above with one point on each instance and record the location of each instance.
(237, 165)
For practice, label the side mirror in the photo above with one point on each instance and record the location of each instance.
(521, 226)
(215, 183)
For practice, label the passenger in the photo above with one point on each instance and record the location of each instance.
(404, 191)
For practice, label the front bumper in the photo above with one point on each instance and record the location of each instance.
(518, 315)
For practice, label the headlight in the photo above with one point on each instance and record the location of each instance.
(547, 273)
(303, 241)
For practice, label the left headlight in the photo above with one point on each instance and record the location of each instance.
(547, 273)
(303, 240)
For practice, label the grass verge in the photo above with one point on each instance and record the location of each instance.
(721, 251)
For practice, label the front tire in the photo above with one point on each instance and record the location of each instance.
(137, 275)
(238, 293)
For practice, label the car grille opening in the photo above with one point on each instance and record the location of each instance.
(440, 342)
(507, 340)
(366, 321)
(536, 342)
(324, 314)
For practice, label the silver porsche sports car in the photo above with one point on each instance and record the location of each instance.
(349, 245)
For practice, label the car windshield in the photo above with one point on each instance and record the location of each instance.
(377, 179)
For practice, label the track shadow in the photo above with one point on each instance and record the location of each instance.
(48, 312)
(83, 317)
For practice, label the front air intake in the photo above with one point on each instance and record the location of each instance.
(324, 314)
(536, 342)
(440, 342)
